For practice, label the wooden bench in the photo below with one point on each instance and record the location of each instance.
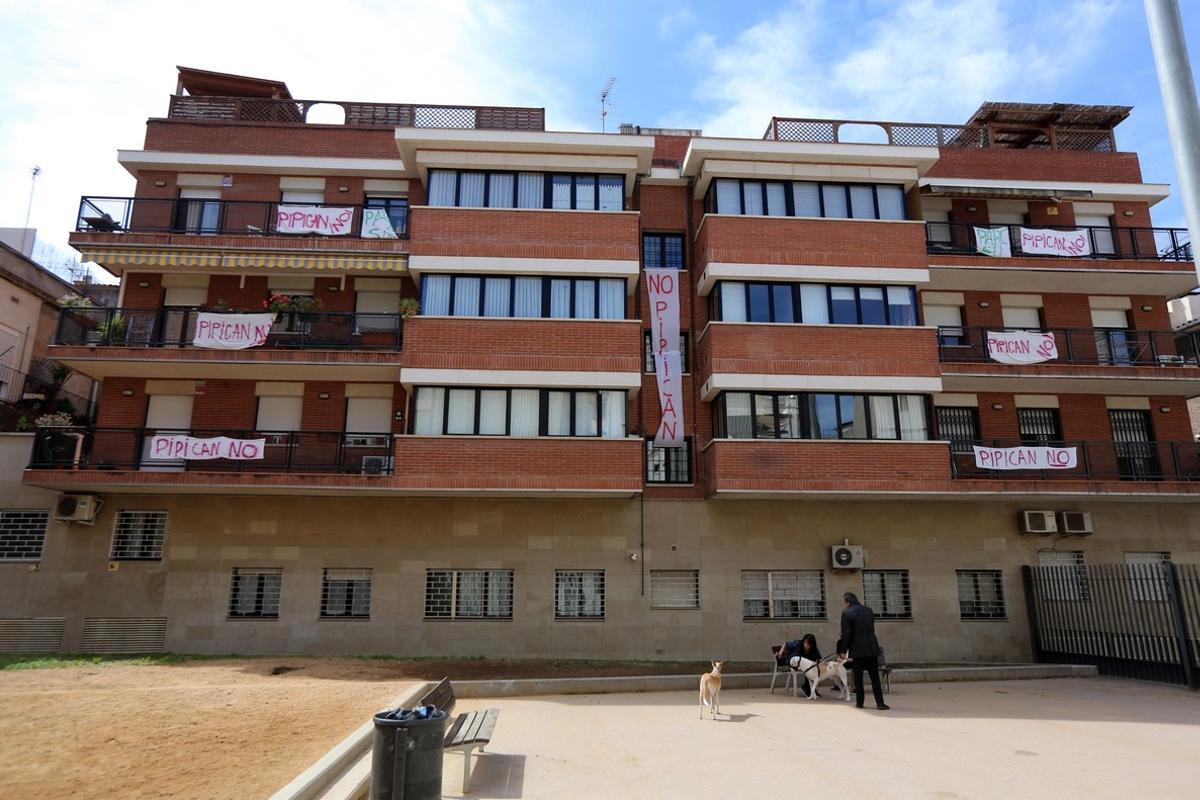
(466, 732)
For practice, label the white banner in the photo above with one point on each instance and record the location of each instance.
(1055, 243)
(232, 331)
(1021, 347)
(662, 286)
(993, 242)
(178, 446)
(1025, 457)
(314, 219)
(376, 224)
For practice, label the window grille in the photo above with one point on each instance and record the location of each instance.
(346, 593)
(886, 592)
(1039, 426)
(960, 426)
(579, 594)
(139, 536)
(22, 534)
(1146, 575)
(790, 594)
(980, 594)
(469, 594)
(1069, 581)
(674, 588)
(648, 352)
(254, 593)
(668, 464)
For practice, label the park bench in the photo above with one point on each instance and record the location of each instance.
(466, 732)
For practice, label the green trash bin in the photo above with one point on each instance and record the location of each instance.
(406, 757)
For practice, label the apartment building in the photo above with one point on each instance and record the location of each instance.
(862, 306)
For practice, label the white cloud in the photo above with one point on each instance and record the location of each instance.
(678, 17)
(77, 81)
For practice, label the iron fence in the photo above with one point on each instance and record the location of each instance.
(850, 131)
(1092, 346)
(1095, 460)
(1157, 244)
(345, 112)
(176, 327)
(17, 387)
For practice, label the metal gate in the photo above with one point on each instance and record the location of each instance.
(1129, 620)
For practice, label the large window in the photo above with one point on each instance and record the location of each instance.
(886, 592)
(648, 352)
(470, 189)
(668, 464)
(469, 594)
(254, 593)
(22, 534)
(138, 536)
(454, 411)
(1039, 426)
(662, 251)
(813, 303)
(674, 588)
(783, 594)
(743, 415)
(346, 593)
(579, 594)
(806, 199)
(980, 594)
(522, 296)
(397, 211)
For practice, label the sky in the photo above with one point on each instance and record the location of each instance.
(79, 79)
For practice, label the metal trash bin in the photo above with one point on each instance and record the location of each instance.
(406, 756)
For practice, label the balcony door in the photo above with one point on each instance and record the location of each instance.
(1134, 446)
(1099, 231)
(1113, 342)
(199, 211)
(165, 413)
(179, 313)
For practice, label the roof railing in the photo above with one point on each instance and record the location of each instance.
(910, 134)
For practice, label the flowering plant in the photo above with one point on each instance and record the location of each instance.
(279, 303)
(59, 419)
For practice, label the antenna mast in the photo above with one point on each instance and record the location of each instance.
(604, 101)
(29, 207)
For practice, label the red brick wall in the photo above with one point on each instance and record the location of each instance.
(460, 343)
(230, 289)
(672, 147)
(136, 296)
(826, 242)
(1041, 214)
(224, 405)
(275, 139)
(1029, 165)
(524, 233)
(328, 414)
(118, 411)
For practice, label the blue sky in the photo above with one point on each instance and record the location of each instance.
(80, 79)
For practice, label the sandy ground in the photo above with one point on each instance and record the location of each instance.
(206, 729)
(1067, 738)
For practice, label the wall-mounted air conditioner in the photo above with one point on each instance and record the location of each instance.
(81, 508)
(844, 556)
(1078, 523)
(1038, 522)
(376, 465)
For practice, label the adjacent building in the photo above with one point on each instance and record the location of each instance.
(862, 306)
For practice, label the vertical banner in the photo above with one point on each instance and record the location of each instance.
(663, 288)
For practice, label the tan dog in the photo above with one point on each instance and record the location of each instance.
(710, 690)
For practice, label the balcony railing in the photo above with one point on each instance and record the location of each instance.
(852, 131)
(17, 387)
(1089, 346)
(324, 452)
(344, 112)
(1096, 461)
(176, 327)
(200, 217)
(1152, 244)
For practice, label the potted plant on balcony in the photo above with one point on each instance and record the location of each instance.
(296, 311)
(409, 307)
(112, 330)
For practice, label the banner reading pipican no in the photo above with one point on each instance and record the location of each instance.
(663, 288)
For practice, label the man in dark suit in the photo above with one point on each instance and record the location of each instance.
(858, 642)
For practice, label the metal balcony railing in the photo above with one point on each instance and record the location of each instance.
(17, 387)
(917, 134)
(1089, 346)
(1095, 460)
(203, 217)
(176, 327)
(1148, 244)
(345, 112)
(323, 452)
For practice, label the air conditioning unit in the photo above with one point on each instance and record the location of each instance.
(1078, 523)
(80, 508)
(845, 556)
(1038, 522)
(376, 465)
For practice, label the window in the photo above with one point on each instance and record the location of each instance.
(674, 588)
(668, 464)
(1068, 579)
(949, 322)
(1039, 427)
(1113, 344)
(279, 413)
(254, 593)
(470, 189)
(138, 536)
(1146, 575)
(397, 211)
(960, 425)
(820, 416)
(662, 251)
(22, 534)
(806, 199)
(346, 593)
(579, 594)
(469, 594)
(886, 592)
(368, 415)
(199, 211)
(813, 304)
(522, 296)
(648, 352)
(1025, 319)
(792, 594)
(1100, 232)
(980, 594)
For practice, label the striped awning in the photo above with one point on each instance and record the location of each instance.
(343, 262)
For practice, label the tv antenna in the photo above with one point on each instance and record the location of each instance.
(29, 206)
(604, 101)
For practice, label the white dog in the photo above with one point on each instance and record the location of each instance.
(817, 672)
(710, 690)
